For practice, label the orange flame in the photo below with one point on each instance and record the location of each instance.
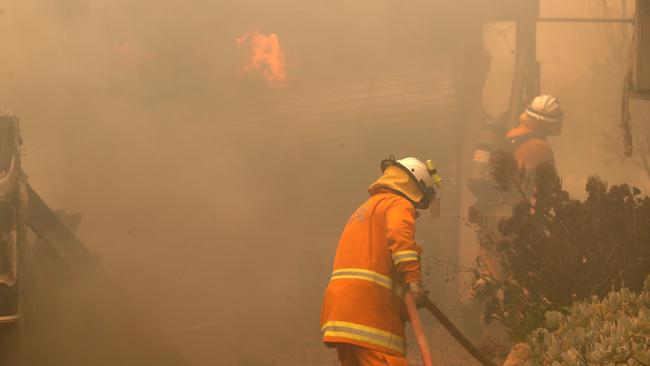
(264, 56)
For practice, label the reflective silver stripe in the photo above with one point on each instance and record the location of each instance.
(363, 274)
(405, 256)
(365, 334)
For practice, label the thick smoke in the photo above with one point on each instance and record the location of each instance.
(215, 200)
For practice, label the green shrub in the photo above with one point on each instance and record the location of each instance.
(564, 250)
(613, 331)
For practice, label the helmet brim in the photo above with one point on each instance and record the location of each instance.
(543, 117)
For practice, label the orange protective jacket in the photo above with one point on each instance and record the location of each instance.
(376, 254)
(532, 152)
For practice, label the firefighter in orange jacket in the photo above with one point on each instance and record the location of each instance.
(377, 255)
(529, 143)
(543, 117)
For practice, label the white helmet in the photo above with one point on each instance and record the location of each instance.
(546, 112)
(425, 175)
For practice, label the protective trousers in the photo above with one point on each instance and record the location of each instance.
(351, 355)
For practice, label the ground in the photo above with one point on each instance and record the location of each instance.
(445, 351)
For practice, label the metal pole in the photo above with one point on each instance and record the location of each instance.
(586, 20)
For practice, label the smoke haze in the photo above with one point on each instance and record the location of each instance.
(215, 198)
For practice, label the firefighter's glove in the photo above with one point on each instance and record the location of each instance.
(416, 289)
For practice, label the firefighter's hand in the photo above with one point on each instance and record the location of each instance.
(416, 289)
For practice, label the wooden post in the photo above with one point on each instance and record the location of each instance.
(13, 237)
(525, 61)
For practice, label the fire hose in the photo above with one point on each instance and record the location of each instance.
(442, 318)
(419, 331)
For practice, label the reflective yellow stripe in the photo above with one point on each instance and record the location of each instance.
(362, 274)
(405, 256)
(364, 333)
